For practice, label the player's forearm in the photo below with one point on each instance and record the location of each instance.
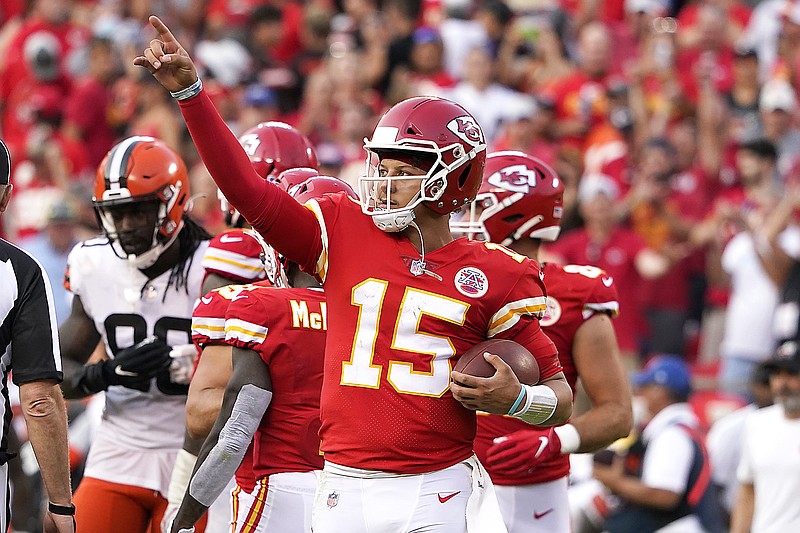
(564, 402)
(46, 418)
(742, 518)
(289, 227)
(602, 425)
(202, 409)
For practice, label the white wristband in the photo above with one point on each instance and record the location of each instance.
(539, 405)
(189, 91)
(570, 439)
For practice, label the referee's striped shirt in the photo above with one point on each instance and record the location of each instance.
(29, 332)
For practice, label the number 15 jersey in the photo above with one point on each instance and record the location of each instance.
(394, 336)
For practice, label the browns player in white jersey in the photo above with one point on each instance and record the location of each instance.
(237, 255)
(135, 290)
(404, 301)
(519, 205)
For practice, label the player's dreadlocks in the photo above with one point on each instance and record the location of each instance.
(189, 238)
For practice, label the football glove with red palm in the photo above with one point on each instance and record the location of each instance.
(520, 452)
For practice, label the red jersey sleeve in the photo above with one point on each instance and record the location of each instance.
(208, 319)
(602, 298)
(290, 228)
(518, 320)
(246, 325)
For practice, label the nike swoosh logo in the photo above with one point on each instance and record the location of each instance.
(543, 441)
(443, 499)
(206, 300)
(239, 297)
(118, 371)
(607, 281)
(537, 516)
(228, 238)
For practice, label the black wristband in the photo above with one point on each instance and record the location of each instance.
(92, 379)
(64, 510)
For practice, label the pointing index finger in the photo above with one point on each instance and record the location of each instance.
(162, 30)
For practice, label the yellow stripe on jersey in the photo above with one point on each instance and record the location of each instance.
(612, 308)
(244, 331)
(510, 314)
(213, 328)
(234, 263)
(322, 260)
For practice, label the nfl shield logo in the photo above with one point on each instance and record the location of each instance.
(333, 499)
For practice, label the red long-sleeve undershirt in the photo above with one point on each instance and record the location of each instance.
(285, 224)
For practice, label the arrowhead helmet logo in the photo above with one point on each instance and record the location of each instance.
(467, 129)
(516, 178)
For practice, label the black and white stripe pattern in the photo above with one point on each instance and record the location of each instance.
(116, 169)
(5, 164)
(29, 348)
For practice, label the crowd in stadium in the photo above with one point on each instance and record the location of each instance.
(670, 128)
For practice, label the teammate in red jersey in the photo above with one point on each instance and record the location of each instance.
(519, 205)
(404, 301)
(236, 255)
(275, 488)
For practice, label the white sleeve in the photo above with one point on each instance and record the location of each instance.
(789, 240)
(744, 472)
(668, 461)
(74, 262)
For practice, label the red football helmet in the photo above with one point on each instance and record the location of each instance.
(142, 169)
(520, 196)
(438, 132)
(316, 186)
(273, 147)
(294, 176)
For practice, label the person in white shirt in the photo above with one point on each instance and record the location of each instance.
(725, 439)
(769, 472)
(662, 483)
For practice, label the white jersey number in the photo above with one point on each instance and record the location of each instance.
(360, 371)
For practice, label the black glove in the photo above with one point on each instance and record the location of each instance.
(132, 367)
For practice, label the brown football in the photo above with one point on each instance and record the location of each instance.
(514, 354)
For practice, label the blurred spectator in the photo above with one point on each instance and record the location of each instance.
(460, 34)
(155, 114)
(86, 117)
(769, 471)
(749, 335)
(496, 18)
(526, 128)
(606, 244)
(51, 248)
(656, 214)
(734, 12)
(425, 75)
(726, 438)
(778, 106)
(532, 55)
(399, 21)
(259, 104)
(663, 480)
(742, 100)
(580, 98)
(481, 95)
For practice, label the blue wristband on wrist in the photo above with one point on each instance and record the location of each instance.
(189, 91)
(518, 401)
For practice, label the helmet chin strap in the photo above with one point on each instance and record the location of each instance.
(149, 258)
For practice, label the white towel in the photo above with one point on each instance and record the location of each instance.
(483, 511)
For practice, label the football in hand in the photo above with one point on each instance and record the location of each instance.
(514, 354)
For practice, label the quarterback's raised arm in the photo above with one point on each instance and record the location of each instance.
(287, 226)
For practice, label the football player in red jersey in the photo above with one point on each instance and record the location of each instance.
(237, 255)
(519, 205)
(405, 300)
(275, 488)
(137, 284)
